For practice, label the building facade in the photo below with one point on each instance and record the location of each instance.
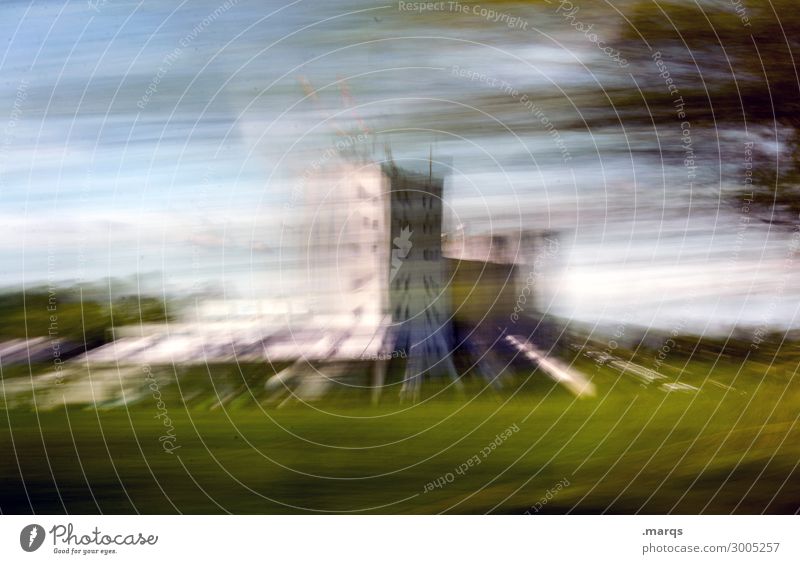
(419, 294)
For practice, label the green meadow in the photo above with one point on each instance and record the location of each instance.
(730, 445)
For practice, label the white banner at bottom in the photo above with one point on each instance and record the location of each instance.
(399, 539)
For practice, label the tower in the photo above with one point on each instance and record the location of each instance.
(419, 300)
(347, 241)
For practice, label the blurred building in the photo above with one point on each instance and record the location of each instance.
(347, 243)
(419, 290)
(380, 281)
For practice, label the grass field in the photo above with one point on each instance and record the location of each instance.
(731, 446)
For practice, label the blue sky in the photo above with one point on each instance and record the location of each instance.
(187, 188)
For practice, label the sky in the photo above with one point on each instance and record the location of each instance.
(157, 143)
